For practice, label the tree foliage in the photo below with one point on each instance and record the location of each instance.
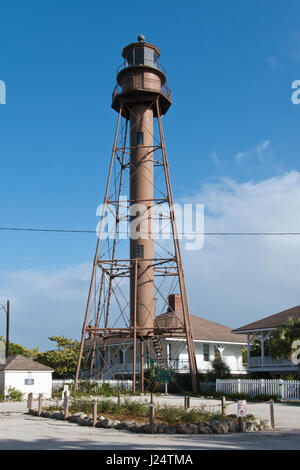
(15, 348)
(281, 343)
(63, 359)
(220, 370)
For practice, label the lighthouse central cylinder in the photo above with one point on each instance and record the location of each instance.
(141, 197)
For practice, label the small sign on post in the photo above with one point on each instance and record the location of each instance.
(242, 408)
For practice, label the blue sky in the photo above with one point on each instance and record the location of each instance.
(230, 66)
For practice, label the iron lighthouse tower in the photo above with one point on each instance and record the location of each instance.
(131, 298)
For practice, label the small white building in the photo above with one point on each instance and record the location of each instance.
(211, 340)
(26, 375)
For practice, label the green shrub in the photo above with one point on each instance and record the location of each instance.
(168, 413)
(172, 414)
(13, 394)
(136, 408)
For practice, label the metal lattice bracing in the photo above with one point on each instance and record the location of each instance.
(137, 264)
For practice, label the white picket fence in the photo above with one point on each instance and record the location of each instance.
(285, 389)
(121, 384)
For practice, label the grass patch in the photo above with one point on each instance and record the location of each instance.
(174, 415)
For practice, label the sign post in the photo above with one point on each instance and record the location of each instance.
(241, 414)
(165, 375)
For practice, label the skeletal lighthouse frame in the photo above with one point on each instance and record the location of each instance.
(136, 270)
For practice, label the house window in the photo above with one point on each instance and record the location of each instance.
(206, 352)
(217, 353)
(140, 138)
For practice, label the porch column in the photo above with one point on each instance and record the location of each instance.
(248, 348)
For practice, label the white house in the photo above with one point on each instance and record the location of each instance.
(211, 340)
(26, 375)
(262, 330)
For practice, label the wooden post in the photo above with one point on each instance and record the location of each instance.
(40, 404)
(95, 412)
(7, 329)
(241, 424)
(223, 406)
(272, 419)
(119, 398)
(29, 401)
(66, 404)
(151, 416)
(142, 378)
(186, 402)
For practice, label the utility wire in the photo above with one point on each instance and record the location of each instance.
(31, 229)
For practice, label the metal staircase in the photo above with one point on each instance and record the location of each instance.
(159, 352)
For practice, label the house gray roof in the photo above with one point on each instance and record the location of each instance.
(19, 362)
(272, 321)
(203, 330)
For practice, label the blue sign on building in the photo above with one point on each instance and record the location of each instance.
(29, 381)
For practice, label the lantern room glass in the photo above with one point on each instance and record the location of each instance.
(141, 56)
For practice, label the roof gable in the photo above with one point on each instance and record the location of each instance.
(272, 321)
(19, 362)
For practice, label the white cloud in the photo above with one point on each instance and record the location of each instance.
(258, 150)
(240, 155)
(238, 279)
(262, 146)
(46, 303)
(214, 156)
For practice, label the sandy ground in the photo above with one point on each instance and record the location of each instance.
(19, 430)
